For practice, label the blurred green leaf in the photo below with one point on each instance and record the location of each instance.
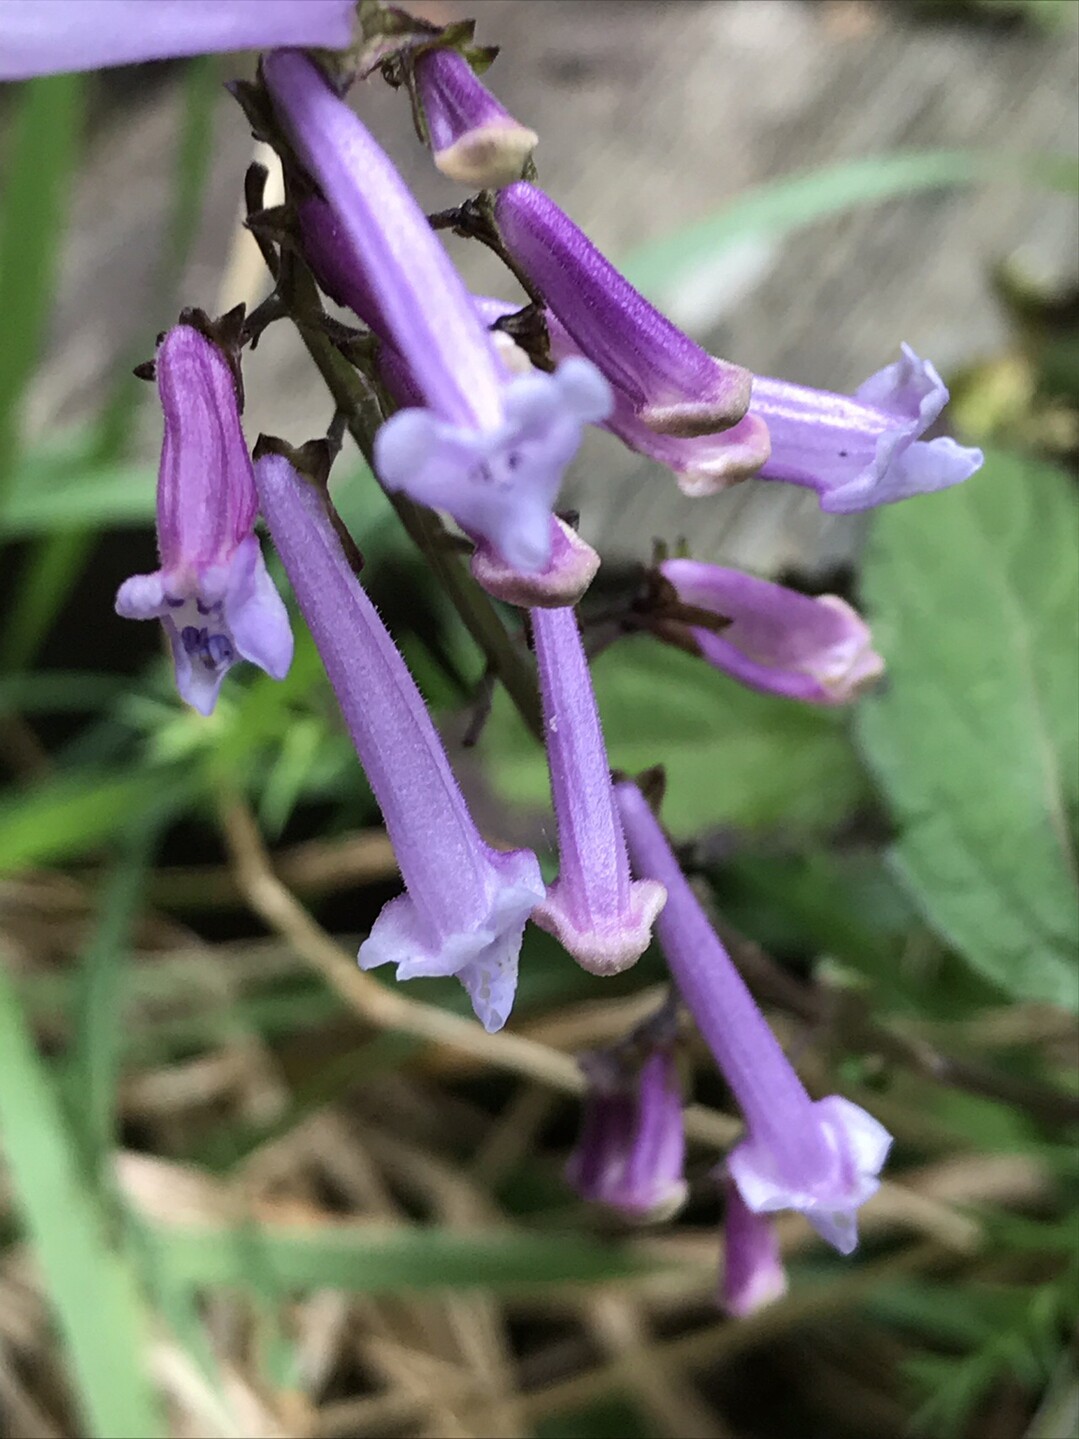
(611, 1419)
(88, 1283)
(779, 207)
(732, 756)
(973, 595)
(42, 153)
(60, 489)
(372, 1259)
(66, 817)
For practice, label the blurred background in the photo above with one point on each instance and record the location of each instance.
(238, 1196)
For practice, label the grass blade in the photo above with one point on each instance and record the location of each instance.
(92, 1290)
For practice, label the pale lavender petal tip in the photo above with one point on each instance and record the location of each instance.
(483, 956)
(474, 140)
(500, 484)
(753, 1272)
(865, 451)
(564, 580)
(818, 650)
(47, 37)
(860, 1145)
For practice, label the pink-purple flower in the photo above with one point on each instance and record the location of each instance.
(212, 592)
(474, 140)
(465, 904)
(820, 1157)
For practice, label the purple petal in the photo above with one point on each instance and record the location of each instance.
(779, 641)
(466, 905)
(571, 569)
(601, 916)
(474, 140)
(753, 1272)
(673, 385)
(425, 306)
(256, 613)
(500, 485)
(862, 452)
(45, 37)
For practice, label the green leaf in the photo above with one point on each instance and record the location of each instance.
(973, 595)
(732, 756)
(88, 1283)
(59, 490)
(70, 815)
(44, 140)
(371, 1259)
(781, 206)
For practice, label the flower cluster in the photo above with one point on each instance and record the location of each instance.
(482, 428)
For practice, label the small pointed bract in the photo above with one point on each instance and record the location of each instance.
(474, 140)
(674, 386)
(594, 909)
(489, 449)
(779, 641)
(860, 452)
(820, 1157)
(466, 904)
(212, 592)
(630, 1154)
(753, 1272)
(48, 37)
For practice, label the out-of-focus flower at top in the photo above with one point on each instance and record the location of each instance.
(779, 641)
(489, 449)
(673, 386)
(212, 592)
(466, 904)
(864, 451)
(474, 140)
(820, 1157)
(48, 37)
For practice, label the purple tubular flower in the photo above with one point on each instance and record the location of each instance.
(674, 387)
(465, 906)
(753, 1272)
(631, 1150)
(46, 37)
(862, 452)
(489, 449)
(819, 1157)
(473, 139)
(594, 909)
(778, 641)
(212, 592)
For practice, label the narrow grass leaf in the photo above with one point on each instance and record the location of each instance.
(88, 1283)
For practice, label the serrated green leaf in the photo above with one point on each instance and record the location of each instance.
(732, 756)
(973, 596)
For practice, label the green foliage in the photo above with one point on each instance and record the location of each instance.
(90, 1285)
(367, 1259)
(973, 596)
(733, 757)
(68, 817)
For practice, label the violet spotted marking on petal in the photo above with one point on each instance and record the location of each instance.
(466, 904)
(48, 37)
(489, 449)
(212, 592)
(779, 641)
(596, 911)
(820, 1157)
(474, 140)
